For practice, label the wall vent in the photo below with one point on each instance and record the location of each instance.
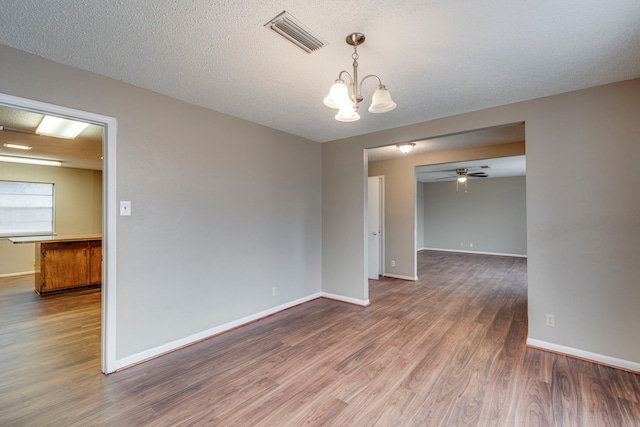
(297, 33)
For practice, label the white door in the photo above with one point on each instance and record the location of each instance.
(375, 227)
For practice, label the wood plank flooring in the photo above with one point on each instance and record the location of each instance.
(448, 350)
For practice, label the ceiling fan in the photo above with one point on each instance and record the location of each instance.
(462, 174)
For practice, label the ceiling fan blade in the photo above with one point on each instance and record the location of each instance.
(474, 168)
(478, 175)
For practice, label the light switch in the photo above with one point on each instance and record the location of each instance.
(125, 208)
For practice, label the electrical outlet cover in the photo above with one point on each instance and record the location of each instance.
(550, 320)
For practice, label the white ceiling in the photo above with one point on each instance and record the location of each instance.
(495, 168)
(437, 58)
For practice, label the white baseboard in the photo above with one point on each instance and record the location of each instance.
(473, 252)
(627, 365)
(192, 339)
(349, 300)
(398, 276)
(23, 273)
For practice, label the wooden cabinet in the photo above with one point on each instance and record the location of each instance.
(67, 264)
(95, 262)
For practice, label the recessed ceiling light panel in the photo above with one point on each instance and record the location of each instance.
(60, 128)
(29, 161)
(17, 146)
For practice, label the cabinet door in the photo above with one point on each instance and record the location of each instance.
(95, 262)
(64, 265)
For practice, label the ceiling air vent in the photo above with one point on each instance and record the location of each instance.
(294, 31)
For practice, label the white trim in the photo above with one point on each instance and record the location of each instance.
(349, 300)
(472, 252)
(383, 232)
(415, 224)
(109, 245)
(192, 339)
(399, 276)
(586, 355)
(22, 273)
(109, 212)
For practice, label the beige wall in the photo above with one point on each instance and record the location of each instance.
(583, 213)
(223, 210)
(78, 207)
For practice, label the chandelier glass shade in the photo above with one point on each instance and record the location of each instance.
(346, 98)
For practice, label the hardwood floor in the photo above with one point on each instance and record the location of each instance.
(448, 350)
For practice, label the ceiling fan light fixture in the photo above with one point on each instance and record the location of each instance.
(60, 128)
(462, 178)
(405, 147)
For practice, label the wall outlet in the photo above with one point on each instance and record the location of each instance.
(274, 291)
(550, 320)
(393, 263)
(470, 245)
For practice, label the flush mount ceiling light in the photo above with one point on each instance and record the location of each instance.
(347, 98)
(60, 128)
(17, 146)
(30, 161)
(405, 147)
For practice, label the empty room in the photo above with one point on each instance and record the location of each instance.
(301, 214)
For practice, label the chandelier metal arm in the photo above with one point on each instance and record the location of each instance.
(348, 75)
(370, 75)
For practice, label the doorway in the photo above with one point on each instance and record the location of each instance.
(109, 124)
(375, 203)
(401, 186)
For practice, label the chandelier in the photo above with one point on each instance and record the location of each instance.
(347, 98)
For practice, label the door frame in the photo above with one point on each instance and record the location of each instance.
(382, 268)
(110, 127)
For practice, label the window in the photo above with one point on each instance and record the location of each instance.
(26, 208)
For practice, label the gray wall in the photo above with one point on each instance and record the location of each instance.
(78, 208)
(222, 209)
(491, 215)
(583, 231)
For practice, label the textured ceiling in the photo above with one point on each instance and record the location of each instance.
(437, 58)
